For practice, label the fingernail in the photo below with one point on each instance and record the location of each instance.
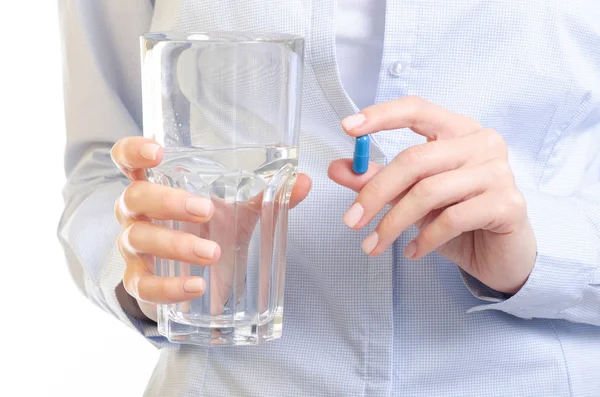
(369, 243)
(205, 249)
(194, 285)
(351, 122)
(148, 151)
(410, 250)
(198, 206)
(354, 215)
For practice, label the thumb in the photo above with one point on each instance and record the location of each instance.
(300, 190)
(340, 171)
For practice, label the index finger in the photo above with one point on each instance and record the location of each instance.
(427, 119)
(133, 154)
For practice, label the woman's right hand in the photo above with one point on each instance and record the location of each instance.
(141, 240)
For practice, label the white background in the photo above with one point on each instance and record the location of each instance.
(54, 341)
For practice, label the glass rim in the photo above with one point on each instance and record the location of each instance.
(222, 36)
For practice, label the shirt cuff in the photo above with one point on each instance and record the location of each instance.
(566, 265)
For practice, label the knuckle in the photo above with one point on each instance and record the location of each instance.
(133, 193)
(414, 102)
(514, 204)
(472, 122)
(495, 142)
(114, 152)
(128, 277)
(144, 294)
(121, 244)
(490, 135)
(130, 282)
(413, 155)
(426, 188)
(131, 236)
(117, 208)
(120, 152)
(450, 218)
(415, 106)
(500, 170)
(146, 289)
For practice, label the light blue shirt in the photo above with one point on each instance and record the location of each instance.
(375, 326)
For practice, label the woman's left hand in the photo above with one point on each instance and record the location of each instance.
(457, 188)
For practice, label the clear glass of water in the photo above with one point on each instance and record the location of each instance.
(226, 108)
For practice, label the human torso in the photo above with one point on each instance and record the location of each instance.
(357, 325)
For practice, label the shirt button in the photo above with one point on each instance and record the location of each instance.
(395, 69)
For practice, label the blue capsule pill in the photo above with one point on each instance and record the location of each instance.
(360, 163)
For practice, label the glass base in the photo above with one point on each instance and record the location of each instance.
(246, 335)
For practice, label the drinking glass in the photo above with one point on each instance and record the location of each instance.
(226, 108)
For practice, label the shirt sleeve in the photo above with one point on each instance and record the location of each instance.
(565, 216)
(101, 74)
